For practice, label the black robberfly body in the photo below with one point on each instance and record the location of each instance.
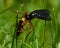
(43, 14)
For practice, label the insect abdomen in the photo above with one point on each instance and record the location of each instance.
(41, 14)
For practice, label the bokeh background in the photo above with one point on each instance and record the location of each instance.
(43, 36)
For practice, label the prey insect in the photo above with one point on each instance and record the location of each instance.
(43, 14)
(40, 14)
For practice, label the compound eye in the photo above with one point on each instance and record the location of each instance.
(28, 17)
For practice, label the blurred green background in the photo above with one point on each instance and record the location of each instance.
(42, 37)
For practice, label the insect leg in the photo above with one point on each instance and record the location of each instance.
(29, 31)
